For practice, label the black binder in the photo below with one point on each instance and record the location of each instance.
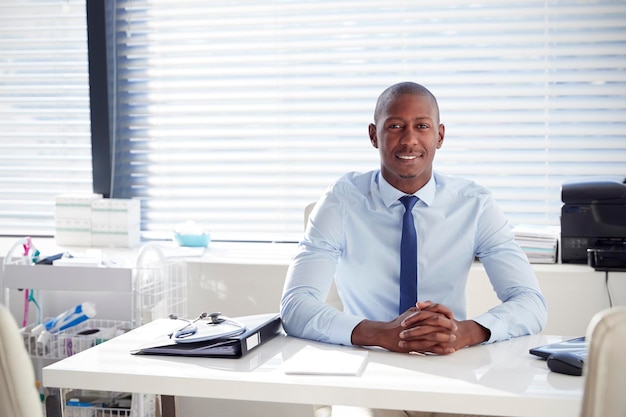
(259, 329)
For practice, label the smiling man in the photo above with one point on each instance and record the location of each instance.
(354, 238)
(407, 134)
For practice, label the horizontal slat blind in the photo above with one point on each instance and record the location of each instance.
(45, 146)
(236, 114)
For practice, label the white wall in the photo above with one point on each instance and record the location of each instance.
(574, 293)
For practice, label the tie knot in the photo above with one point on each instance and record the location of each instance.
(409, 201)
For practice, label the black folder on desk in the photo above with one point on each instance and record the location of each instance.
(259, 329)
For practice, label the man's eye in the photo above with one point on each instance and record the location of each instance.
(423, 126)
(395, 126)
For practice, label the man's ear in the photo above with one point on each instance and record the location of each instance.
(372, 133)
(442, 133)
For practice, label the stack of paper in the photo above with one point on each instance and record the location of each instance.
(540, 243)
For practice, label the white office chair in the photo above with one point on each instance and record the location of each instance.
(605, 367)
(18, 393)
(307, 212)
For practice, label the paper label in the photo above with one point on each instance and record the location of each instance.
(252, 341)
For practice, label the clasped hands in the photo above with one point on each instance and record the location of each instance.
(426, 328)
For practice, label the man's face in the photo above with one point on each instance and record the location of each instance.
(407, 134)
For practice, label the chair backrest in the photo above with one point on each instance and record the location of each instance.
(307, 212)
(605, 367)
(18, 393)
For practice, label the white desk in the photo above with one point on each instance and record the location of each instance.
(499, 379)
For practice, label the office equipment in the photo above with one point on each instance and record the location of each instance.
(567, 363)
(593, 216)
(577, 346)
(258, 329)
(495, 379)
(607, 259)
(565, 357)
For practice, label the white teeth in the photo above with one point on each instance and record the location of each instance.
(407, 156)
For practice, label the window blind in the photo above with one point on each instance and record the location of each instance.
(236, 114)
(45, 146)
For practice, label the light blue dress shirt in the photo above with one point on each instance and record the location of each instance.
(353, 237)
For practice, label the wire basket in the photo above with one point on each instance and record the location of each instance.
(159, 286)
(82, 403)
(69, 342)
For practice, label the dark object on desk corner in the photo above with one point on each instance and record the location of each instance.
(576, 345)
(50, 259)
(593, 216)
(568, 363)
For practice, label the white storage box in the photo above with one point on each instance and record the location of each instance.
(74, 206)
(111, 235)
(73, 232)
(116, 211)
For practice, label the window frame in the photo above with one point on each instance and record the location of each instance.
(101, 138)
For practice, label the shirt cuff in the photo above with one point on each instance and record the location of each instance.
(495, 327)
(341, 331)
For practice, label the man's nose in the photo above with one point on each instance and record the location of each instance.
(410, 135)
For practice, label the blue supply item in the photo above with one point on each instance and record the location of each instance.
(193, 240)
(71, 317)
(192, 234)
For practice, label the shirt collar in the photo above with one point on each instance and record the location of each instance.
(390, 195)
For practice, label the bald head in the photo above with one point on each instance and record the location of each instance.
(403, 88)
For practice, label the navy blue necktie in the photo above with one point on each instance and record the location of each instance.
(408, 257)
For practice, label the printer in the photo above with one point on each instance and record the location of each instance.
(593, 223)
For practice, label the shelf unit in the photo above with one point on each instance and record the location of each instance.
(156, 287)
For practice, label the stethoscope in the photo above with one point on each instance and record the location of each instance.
(217, 327)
